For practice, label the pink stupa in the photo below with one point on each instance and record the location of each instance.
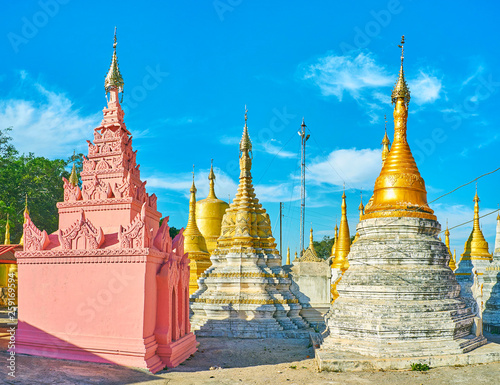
(110, 285)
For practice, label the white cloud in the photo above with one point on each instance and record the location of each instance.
(425, 88)
(229, 140)
(358, 168)
(47, 124)
(272, 149)
(351, 73)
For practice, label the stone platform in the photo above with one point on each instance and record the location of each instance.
(332, 361)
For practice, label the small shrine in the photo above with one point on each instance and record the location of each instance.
(109, 285)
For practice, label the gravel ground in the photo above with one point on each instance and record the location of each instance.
(225, 361)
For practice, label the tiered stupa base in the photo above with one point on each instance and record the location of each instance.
(398, 298)
(241, 296)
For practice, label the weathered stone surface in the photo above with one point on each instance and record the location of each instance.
(399, 298)
(311, 286)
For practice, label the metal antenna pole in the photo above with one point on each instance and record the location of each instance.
(281, 232)
(304, 138)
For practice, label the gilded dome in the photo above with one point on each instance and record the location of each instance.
(209, 213)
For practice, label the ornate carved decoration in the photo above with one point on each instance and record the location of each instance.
(162, 241)
(33, 238)
(96, 189)
(136, 234)
(71, 193)
(81, 235)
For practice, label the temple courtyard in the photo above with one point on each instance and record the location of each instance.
(243, 361)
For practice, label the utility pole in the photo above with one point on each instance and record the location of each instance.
(281, 232)
(303, 138)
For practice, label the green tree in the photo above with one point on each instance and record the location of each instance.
(324, 247)
(38, 178)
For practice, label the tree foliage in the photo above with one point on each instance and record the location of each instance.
(38, 178)
(324, 247)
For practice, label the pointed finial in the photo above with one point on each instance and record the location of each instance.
(385, 120)
(303, 122)
(7, 232)
(211, 175)
(295, 256)
(401, 89)
(73, 177)
(402, 48)
(288, 256)
(193, 187)
(245, 143)
(114, 78)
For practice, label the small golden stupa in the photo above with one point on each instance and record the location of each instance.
(452, 264)
(209, 213)
(399, 190)
(194, 244)
(476, 247)
(343, 242)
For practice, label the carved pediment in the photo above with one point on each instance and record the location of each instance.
(81, 235)
(71, 193)
(136, 234)
(33, 238)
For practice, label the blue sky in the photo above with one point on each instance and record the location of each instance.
(190, 67)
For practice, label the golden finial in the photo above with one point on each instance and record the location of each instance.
(288, 256)
(114, 78)
(193, 187)
(361, 207)
(295, 256)
(245, 143)
(7, 232)
(211, 179)
(311, 242)
(26, 213)
(73, 177)
(401, 89)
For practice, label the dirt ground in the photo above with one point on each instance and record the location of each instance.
(269, 362)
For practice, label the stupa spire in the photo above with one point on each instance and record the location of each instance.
(476, 246)
(386, 143)
(114, 79)
(193, 239)
(211, 179)
(343, 244)
(7, 232)
(452, 264)
(399, 190)
(311, 242)
(288, 256)
(26, 214)
(73, 177)
(361, 207)
(335, 238)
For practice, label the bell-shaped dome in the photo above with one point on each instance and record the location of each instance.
(209, 213)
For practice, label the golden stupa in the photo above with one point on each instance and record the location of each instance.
(452, 264)
(194, 244)
(245, 224)
(343, 243)
(399, 190)
(209, 213)
(476, 247)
